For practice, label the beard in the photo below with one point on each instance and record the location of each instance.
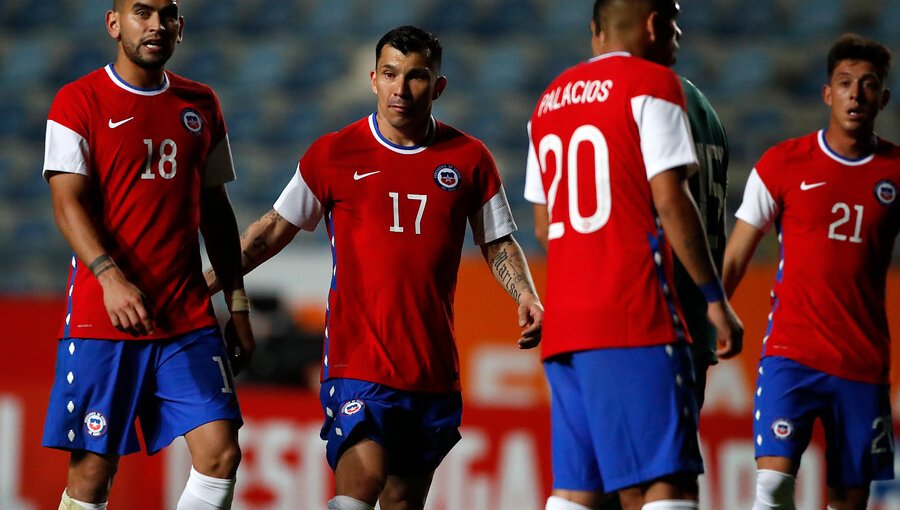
(152, 61)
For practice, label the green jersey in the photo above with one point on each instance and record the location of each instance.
(708, 187)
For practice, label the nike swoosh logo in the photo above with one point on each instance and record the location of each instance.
(357, 176)
(805, 187)
(114, 125)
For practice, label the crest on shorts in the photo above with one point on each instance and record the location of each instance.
(192, 120)
(95, 423)
(352, 407)
(447, 177)
(885, 192)
(782, 428)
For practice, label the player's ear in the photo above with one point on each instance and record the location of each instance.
(180, 29)
(885, 97)
(112, 24)
(826, 94)
(439, 85)
(372, 79)
(650, 26)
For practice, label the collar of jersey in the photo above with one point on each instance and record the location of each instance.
(122, 84)
(610, 54)
(823, 144)
(400, 149)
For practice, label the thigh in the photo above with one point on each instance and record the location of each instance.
(859, 434)
(574, 465)
(416, 430)
(98, 385)
(789, 397)
(643, 413)
(193, 386)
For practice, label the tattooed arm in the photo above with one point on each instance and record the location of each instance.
(259, 242)
(510, 268)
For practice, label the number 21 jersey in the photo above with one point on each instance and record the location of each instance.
(837, 220)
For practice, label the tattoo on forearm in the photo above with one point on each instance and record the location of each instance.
(250, 255)
(509, 271)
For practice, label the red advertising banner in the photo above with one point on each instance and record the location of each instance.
(503, 461)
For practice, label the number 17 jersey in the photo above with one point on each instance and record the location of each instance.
(599, 133)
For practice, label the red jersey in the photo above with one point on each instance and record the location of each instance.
(147, 154)
(600, 132)
(837, 220)
(397, 220)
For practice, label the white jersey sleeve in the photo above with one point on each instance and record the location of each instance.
(219, 166)
(534, 188)
(65, 151)
(298, 205)
(494, 220)
(758, 208)
(666, 141)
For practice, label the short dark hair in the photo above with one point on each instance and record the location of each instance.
(409, 39)
(856, 47)
(665, 7)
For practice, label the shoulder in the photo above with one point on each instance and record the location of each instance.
(181, 84)
(790, 151)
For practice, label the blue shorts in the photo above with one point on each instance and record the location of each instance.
(622, 417)
(856, 417)
(416, 429)
(173, 386)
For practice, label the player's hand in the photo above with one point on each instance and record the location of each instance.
(531, 318)
(239, 341)
(729, 330)
(125, 304)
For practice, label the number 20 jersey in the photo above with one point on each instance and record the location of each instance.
(837, 220)
(147, 154)
(397, 221)
(599, 133)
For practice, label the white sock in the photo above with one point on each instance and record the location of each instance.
(670, 504)
(67, 503)
(558, 503)
(774, 489)
(206, 493)
(347, 503)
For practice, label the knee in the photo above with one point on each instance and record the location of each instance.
(90, 476)
(223, 462)
(774, 489)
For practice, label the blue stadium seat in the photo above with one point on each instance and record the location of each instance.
(747, 70)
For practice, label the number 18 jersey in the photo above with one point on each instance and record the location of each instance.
(599, 133)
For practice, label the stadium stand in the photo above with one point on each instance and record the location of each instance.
(289, 71)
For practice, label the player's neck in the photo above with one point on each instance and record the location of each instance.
(138, 76)
(409, 136)
(851, 144)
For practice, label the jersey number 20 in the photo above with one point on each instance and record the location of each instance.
(551, 146)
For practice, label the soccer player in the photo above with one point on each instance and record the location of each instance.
(708, 188)
(396, 190)
(611, 146)
(136, 158)
(832, 197)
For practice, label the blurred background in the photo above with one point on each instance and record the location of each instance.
(287, 72)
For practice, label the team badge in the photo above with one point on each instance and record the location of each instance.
(447, 177)
(352, 407)
(885, 192)
(782, 428)
(95, 424)
(192, 120)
